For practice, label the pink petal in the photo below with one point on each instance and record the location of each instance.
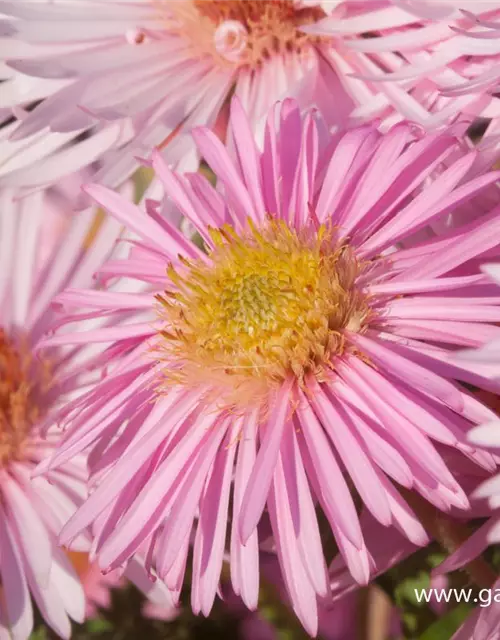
(257, 489)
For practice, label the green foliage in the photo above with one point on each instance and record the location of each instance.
(39, 634)
(98, 625)
(447, 624)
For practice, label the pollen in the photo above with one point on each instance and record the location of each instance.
(266, 28)
(268, 304)
(23, 381)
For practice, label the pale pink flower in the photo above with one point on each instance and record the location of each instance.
(306, 345)
(33, 513)
(133, 75)
(484, 622)
(420, 53)
(487, 435)
(42, 250)
(97, 587)
(487, 33)
(57, 202)
(159, 611)
(489, 353)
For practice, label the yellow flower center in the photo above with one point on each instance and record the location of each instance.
(269, 304)
(265, 27)
(20, 396)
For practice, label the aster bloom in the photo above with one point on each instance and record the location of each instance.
(133, 75)
(302, 347)
(420, 54)
(140, 72)
(484, 622)
(32, 513)
(489, 353)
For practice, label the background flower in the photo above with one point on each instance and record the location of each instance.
(32, 513)
(142, 74)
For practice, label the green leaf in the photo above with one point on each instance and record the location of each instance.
(405, 591)
(434, 559)
(98, 625)
(446, 626)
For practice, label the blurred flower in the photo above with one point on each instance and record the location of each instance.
(484, 622)
(336, 620)
(96, 585)
(159, 611)
(32, 513)
(419, 53)
(97, 588)
(302, 347)
(116, 79)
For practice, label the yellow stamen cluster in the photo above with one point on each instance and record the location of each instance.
(19, 397)
(272, 26)
(269, 304)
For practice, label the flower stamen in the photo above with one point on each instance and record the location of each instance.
(271, 304)
(246, 32)
(21, 381)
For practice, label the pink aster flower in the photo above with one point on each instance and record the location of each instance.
(301, 347)
(489, 353)
(484, 622)
(420, 53)
(133, 75)
(33, 513)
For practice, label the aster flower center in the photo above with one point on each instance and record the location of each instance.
(22, 379)
(248, 32)
(269, 304)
